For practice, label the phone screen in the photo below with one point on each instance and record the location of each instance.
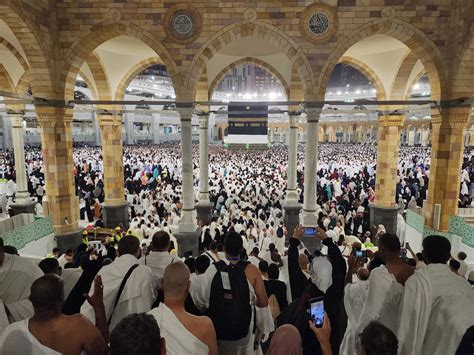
(310, 231)
(317, 311)
(361, 253)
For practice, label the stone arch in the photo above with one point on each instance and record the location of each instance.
(399, 85)
(461, 85)
(34, 45)
(132, 72)
(406, 33)
(101, 33)
(6, 82)
(247, 28)
(90, 85)
(24, 64)
(417, 77)
(24, 83)
(369, 74)
(100, 77)
(249, 60)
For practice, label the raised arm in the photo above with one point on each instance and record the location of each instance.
(297, 278)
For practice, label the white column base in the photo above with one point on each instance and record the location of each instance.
(291, 197)
(187, 223)
(204, 198)
(22, 197)
(309, 219)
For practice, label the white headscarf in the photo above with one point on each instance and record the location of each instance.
(321, 273)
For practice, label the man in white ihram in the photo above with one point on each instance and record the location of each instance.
(437, 306)
(138, 293)
(17, 274)
(184, 333)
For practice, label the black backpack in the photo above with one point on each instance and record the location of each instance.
(230, 310)
(280, 232)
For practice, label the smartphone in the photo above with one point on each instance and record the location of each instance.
(403, 252)
(317, 311)
(310, 231)
(360, 253)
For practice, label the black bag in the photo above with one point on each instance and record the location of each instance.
(280, 233)
(230, 310)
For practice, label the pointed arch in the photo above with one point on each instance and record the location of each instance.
(369, 73)
(100, 76)
(249, 60)
(101, 33)
(400, 83)
(34, 45)
(246, 28)
(132, 73)
(404, 32)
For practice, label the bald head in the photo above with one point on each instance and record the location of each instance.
(176, 280)
(303, 261)
(47, 293)
(363, 274)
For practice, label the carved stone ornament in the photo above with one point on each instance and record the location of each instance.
(182, 23)
(319, 22)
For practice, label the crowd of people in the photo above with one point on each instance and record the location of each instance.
(135, 300)
(252, 286)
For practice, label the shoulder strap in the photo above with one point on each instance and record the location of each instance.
(122, 286)
(220, 265)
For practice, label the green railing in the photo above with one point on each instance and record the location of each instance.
(20, 236)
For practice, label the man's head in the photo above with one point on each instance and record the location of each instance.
(389, 246)
(176, 281)
(363, 274)
(378, 339)
(273, 272)
(436, 249)
(50, 266)
(263, 266)
(201, 264)
(47, 293)
(454, 265)
(303, 261)
(233, 244)
(129, 245)
(137, 334)
(160, 241)
(462, 256)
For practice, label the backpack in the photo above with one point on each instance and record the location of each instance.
(229, 304)
(280, 232)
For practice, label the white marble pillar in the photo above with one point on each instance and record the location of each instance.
(203, 158)
(187, 223)
(22, 194)
(291, 193)
(309, 216)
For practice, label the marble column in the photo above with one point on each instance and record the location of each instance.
(449, 127)
(56, 142)
(115, 208)
(309, 214)
(188, 232)
(384, 210)
(204, 206)
(292, 207)
(23, 202)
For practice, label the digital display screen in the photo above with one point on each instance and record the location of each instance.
(317, 312)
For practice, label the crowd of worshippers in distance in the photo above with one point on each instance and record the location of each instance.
(254, 287)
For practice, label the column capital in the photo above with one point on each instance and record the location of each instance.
(16, 118)
(392, 121)
(109, 119)
(47, 115)
(185, 113)
(203, 121)
(294, 120)
(313, 114)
